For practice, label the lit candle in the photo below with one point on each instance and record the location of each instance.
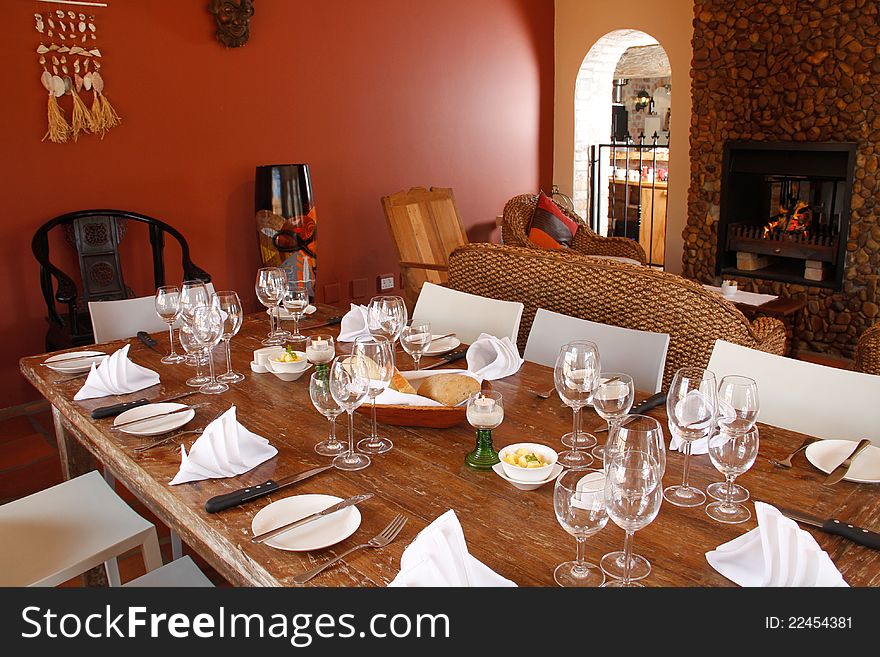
(484, 413)
(319, 351)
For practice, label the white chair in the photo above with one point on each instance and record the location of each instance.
(641, 354)
(467, 315)
(181, 572)
(65, 530)
(813, 399)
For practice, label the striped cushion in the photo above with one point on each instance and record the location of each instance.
(550, 228)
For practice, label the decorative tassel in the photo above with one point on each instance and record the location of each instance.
(98, 126)
(111, 118)
(58, 131)
(81, 118)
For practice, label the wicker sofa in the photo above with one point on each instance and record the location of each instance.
(867, 357)
(612, 293)
(518, 214)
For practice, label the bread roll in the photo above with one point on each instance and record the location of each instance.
(449, 389)
(400, 384)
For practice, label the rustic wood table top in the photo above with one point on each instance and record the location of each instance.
(512, 531)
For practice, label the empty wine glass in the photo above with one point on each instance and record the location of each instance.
(168, 308)
(575, 376)
(386, 316)
(378, 354)
(193, 293)
(641, 433)
(322, 400)
(633, 495)
(193, 349)
(612, 400)
(349, 385)
(233, 315)
(691, 406)
(415, 339)
(738, 408)
(579, 503)
(270, 288)
(207, 330)
(732, 454)
(295, 301)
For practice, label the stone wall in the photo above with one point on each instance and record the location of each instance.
(790, 70)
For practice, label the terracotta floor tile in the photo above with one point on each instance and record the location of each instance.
(19, 452)
(23, 481)
(14, 428)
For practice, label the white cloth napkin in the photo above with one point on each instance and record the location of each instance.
(354, 324)
(116, 375)
(776, 553)
(493, 358)
(438, 556)
(225, 449)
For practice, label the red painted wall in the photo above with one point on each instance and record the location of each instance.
(376, 96)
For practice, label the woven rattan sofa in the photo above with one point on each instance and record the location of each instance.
(612, 293)
(518, 214)
(868, 351)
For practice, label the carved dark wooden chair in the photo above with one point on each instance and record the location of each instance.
(95, 235)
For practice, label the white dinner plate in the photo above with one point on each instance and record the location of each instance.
(828, 454)
(57, 362)
(283, 313)
(160, 424)
(527, 485)
(315, 535)
(438, 347)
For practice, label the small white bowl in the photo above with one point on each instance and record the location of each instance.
(528, 475)
(288, 371)
(499, 470)
(728, 289)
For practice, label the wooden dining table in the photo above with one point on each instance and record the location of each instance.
(512, 531)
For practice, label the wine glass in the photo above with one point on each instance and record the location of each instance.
(270, 287)
(168, 308)
(295, 301)
(230, 304)
(349, 385)
(575, 376)
(633, 495)
(322, 400)
(691, 406)
(415, 339)
(738, 408)
(732, 454)
(193, 293)
(207, 330)
(196, 352)
(386, 316)
(612, 400)
(579, 503)
(378, 354)
(641, 433)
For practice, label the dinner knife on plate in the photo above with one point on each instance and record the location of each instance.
(840, 471)
(451, 357)
(123, 425)
(858, 535)
(242, 495)
(339, 506)
(116, 409)
(642, 407)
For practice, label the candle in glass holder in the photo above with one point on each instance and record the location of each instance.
(484, 413)
(320, 349)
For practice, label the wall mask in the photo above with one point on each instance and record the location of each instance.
(233, 21)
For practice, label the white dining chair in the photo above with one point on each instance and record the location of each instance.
(821, 401)
(181, 572)
(68, 529)
(641, 354)
(467, 315)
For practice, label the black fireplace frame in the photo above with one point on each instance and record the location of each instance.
(786, 155)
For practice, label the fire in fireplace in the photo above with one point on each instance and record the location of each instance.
(785, 211)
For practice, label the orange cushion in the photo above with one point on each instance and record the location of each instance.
(550, 227)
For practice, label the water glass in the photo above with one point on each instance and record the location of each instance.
(732, 454)
(415, 340)
(575, 375)
(193, 293)
(195, 351)
(349, 386)
(612, 400)
(378, 353)
(386, 317)
(233, 315)
(322, 400)
(738, 408)
(168, 309)
(270, 287)
(207, 331)
(295, 301)
(579, 503)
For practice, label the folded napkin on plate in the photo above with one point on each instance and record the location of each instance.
(225, 449)
(493, 358)
(354, 324)
(116, 375)
(438, 556)
(692, 410)
(776, 553)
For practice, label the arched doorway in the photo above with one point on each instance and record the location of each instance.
(621, 155)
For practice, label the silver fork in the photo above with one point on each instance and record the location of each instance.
(380, 540)
(786, 462)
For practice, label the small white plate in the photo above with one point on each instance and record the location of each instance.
(154, 427)
(283, 313)
(527, 485)
(438, 347)
(316, 535)
(56, 362)
(828, 454)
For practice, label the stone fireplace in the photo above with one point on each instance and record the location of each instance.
(802, 73)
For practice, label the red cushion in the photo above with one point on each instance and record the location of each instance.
(550, 227)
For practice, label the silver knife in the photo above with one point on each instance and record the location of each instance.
(857, 534)
(840, 471)
(242, 495)
(344, 504)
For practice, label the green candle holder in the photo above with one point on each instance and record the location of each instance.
(322, 370)
(484, 455)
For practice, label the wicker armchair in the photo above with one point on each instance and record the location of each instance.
(612, 293)
(868, 351)
(518, 213)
